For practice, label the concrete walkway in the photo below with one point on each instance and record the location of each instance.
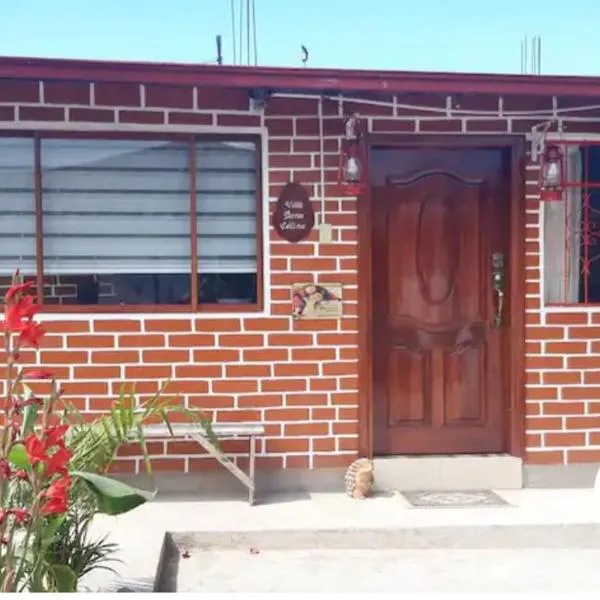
(141, 534)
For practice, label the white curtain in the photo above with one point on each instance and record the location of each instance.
(562, 239)
(123, 206)
(17, 206)
(226, 182)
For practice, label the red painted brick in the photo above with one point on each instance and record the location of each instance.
(19, 90)
(7, 113)
(414, 104)
(475, 102)
(280, 126)
(571, 126)
(485, 125)
(41, 113)
(441, 125)
(191, 118)
(238, 120)
(265, 355)
(117, 94)
(91, 115)
(218, 325)
(117, 326)
(291, 106)
(169, 96)
(394, 125)
(375, 105)
(66, 92)
(223, 99)
(524, 103)
(144, 117)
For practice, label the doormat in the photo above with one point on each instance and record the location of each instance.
(468, 499)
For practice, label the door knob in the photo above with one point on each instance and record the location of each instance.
(498, 286)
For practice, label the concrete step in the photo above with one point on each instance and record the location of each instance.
(449, 472)
(456, 537)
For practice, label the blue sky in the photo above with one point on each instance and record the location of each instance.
(428, 35)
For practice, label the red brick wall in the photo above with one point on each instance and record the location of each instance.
(298, 377)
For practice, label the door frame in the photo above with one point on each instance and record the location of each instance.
(514, 422)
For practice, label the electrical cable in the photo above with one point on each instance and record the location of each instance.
(232, 4)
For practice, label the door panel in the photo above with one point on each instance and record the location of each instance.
(438, 362)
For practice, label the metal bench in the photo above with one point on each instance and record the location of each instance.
(223, 431)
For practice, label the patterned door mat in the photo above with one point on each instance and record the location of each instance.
(467, 499)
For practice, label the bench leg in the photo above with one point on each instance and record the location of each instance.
(251, 467)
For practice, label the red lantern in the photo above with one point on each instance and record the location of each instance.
(351, 169)
(552, 175)
(351, 172)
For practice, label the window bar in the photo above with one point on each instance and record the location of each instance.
(39, 231)
(193, 224)
(566, 266)
(586, 226)
(566, 263)
(260, 294)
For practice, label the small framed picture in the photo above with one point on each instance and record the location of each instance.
(317, 300)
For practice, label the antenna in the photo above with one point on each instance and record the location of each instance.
(304, 55)
(219, 49)
(245, 46)
(531, 65)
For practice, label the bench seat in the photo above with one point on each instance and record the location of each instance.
(190, 431)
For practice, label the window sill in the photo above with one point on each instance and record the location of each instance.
(563, 308)
(148, 310)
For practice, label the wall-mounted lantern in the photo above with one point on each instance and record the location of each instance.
(351, 169)
(552, 175)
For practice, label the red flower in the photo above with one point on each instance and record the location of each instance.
(19, 404)
(58, 462)
(20, 474)
(16, 289)
(57, 497)
(38, 374)
(18, 316)
(35, 449)
(5, 471)
(31, 335)
(55, 435)
(20, 514)
(13, 320)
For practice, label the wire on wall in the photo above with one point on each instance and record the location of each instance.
(322, 160)
(444, 111)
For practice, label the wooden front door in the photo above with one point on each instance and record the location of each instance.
(439, 216)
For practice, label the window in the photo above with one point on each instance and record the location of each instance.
(120, 223)
(572, 231)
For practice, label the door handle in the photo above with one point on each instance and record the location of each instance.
(498, 286)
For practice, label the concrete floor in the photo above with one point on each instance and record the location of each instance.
(484, 571)
(572, 568)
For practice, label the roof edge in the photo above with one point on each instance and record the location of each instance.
(300, 79)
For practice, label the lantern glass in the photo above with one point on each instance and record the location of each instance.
(352, 170)
(552, 169)
(552, 174)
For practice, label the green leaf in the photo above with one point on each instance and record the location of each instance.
(142, 441)
(18, 457)
(50, 530)
(116, 424)
(114, 497)
(27, 392)
(30, 413)
(64, 577)
(166, 421)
